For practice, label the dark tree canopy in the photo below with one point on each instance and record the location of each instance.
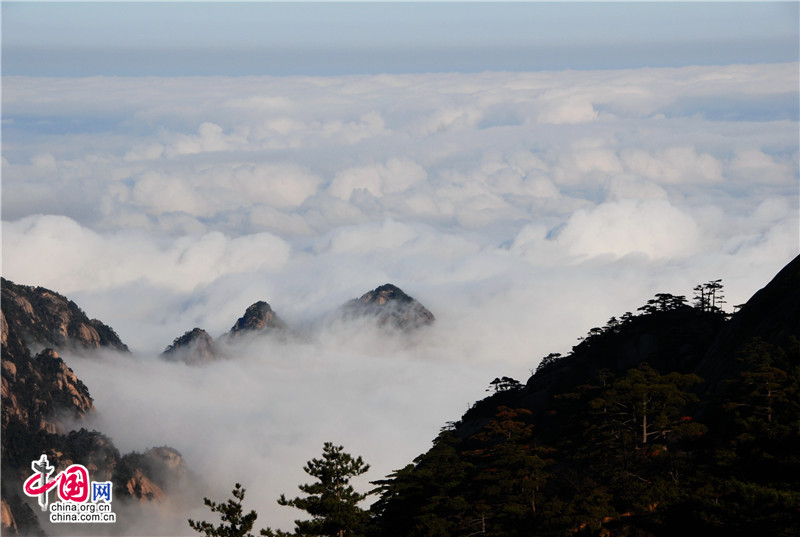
(709, 296)
(504, 384)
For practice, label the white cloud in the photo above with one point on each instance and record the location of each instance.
(397, 175)
(674, 165)
(652, 227)
(280, 185)
(557, 108)
(755, 166)
(83, 260)
(448, 118)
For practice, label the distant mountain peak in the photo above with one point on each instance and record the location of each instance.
(391, 307)
(193, 347)
(258, 317)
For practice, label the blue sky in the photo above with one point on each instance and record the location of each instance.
(263, 38)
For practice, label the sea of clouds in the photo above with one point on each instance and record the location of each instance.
(522, 209)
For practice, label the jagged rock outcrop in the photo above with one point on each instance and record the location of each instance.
(194, 347)
(44, 318)
(390, 307)
(258, 318)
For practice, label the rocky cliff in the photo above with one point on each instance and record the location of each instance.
(43, 318)
(43, 400)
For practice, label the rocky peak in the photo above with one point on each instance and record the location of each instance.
(193, 347)
(257, 318)
(391, 307)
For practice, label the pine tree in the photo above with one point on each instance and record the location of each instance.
(234, 524)
(709, 296)
(331, 500)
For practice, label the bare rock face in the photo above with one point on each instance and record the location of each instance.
(194, 347)
(390, 307)
(143, 488)
(258, 318)
(40, 392)
(44, 318)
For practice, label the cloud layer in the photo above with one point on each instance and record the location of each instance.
(521, 208)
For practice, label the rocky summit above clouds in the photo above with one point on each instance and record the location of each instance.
(197, 347)
(390, 307)
(193, 347)
(259, 317)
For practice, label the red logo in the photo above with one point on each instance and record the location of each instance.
(73, 483)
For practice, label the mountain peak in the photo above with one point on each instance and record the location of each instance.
(390, 306)
(258, 317)
(193, 347)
